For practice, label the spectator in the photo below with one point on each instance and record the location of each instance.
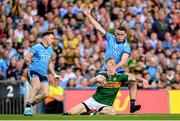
(163, 83)
(91, 72)
(170, 75)
(4, 62)
(71, 83)
(60, 63)
(77, 7)
(84, 83)
(79, 76)
(54, 103)
(69, 53)
(176, 82)
(160, 25)
(12, 51)
(2, 77)
(69, 13)
(153, 40)
(11, 69)
(154, 83)
(64, 77)
(152, 69)
(19, 31)
(167, 42)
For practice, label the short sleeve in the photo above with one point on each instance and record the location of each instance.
(109, 37)
(127, 48)
(101, 73)
(33, 49)
(123, 77)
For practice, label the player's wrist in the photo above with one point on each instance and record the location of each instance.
(54, 74)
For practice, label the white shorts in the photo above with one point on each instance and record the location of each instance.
(92, 104)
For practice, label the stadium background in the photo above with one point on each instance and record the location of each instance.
(153, 33)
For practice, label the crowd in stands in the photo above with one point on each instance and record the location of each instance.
(152, 27)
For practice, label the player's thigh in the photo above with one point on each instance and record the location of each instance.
(36, 83)
(45, 88)
(33, 80)
(78, 109)
(108, 110)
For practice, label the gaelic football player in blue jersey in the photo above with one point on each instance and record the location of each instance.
(118, 48)
(39, 60)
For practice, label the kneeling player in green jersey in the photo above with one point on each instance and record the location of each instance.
(101, 102)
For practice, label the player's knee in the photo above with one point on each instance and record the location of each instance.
(133, 83)
(46, 94)
(111, 112)
(37, 87)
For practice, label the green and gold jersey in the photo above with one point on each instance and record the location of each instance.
(106, 94)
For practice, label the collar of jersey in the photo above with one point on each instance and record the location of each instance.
(121, 42)
(43, 45)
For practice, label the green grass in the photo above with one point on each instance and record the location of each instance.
(97, 117)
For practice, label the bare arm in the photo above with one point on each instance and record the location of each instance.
(124, 60)
(138, 79)
(13, 9)
(52, 71)
(51, 68)
(87, 12)
(92, 81)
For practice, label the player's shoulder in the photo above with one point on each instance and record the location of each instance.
(126, 44)
(119, 74)
(109, 35)
(103, 73)
(122, 76)
(50, 48)
(36, 45)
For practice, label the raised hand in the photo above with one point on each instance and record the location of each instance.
(145, 83)
(87, 10)
(57, 78)
(101, 80)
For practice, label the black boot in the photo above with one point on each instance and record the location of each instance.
(135, 108)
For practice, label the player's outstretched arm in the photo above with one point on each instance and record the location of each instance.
(51, 69)
(28, 57)
(87, 12)
(124, 60)
(138, 79)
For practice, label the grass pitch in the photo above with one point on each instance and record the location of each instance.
(96, 117)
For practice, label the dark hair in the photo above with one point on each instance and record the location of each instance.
(122, 28)
(47, 33)
(109, 59)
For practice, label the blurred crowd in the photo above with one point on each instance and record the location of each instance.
(152, 27)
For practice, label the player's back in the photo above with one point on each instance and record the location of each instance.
(41, 58)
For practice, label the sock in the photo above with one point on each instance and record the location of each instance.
(28, 104)
(33, 103)
(38, 100)
(132, 101)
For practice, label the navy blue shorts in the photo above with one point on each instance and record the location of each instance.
(31, 74)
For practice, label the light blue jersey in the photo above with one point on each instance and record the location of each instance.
(41, 58)
(115, 50)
